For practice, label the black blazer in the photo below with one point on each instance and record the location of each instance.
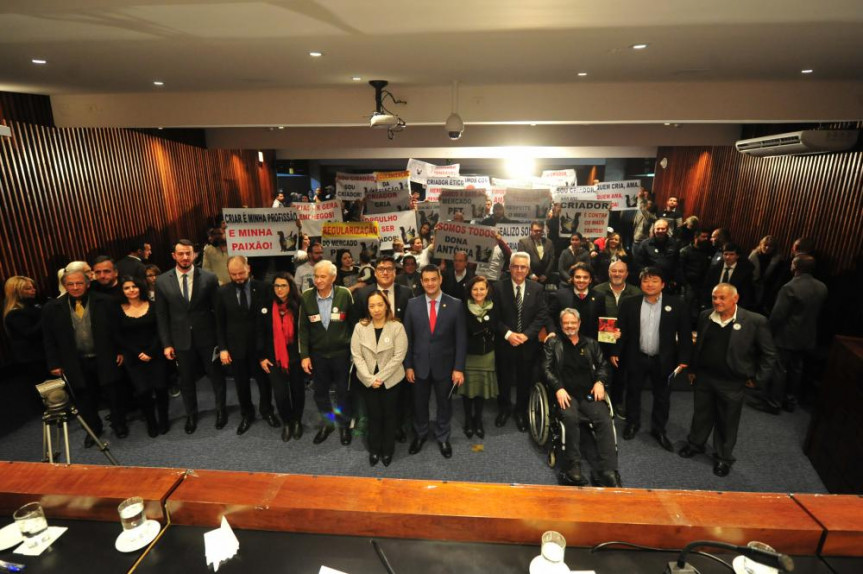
(539, 265)
(751, 352)
(741, 278)
(534, 311)
(481, 333)
(182, 323)
(675, 336)
(61, 352)
(591, 308)
(455, 288)
(24, 327)
(235, 326)
(361, 297)
(132, 267)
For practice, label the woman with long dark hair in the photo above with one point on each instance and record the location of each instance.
(480, 378)
(279, 353)
(138, 336)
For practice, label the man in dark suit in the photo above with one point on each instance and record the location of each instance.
(237, 308)
(663, 252)
(185, 302)
(579, 296)
(523, 314)
(437, 348)
(79, 344)
(132, 265)
(734, 270)
(541, 251)
(456, 276)
(385, 276)
(655, 343)
(734, 346)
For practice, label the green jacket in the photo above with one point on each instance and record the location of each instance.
(333, 341)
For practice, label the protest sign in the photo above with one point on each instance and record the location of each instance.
(390, 180)
(399, 224)
(476, 181)
(567, 176)
(498, 194)
(447, 170)
(261, 231)
(570, 192)
(353, 186)
(512, 232)
(477, 241)
(527, 204)
(420, 170)
(428, 212)
(469, 202)
(353, 236)
(388, 200)
(623, 195)
(588, 217)
(435, 185)
(313, 215)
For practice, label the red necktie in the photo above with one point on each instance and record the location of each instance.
(582, 295)
(432, 315)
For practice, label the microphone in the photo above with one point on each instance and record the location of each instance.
(781, 562)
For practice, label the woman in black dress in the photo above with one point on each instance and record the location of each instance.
(22, 318)
(142, 354)
(279, 353)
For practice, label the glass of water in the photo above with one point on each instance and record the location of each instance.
(132, 513)
(31, 520)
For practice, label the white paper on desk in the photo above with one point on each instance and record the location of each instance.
(328, 570)
(220, 545)
(51, 535)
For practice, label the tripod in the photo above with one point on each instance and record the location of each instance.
(59, 419)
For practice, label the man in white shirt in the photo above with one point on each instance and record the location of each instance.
(305, 273)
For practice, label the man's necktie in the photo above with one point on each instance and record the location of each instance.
(186, 286)
(244, 302)
(518, 302)
(726, 274)
(432, 315)
(79, 309)
(582, 296)
(386, 293)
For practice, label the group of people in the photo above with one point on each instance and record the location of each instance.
(408, 326)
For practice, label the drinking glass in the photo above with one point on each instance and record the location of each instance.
(132, 513)
(31, 520)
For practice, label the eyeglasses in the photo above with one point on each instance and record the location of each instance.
(385, 269)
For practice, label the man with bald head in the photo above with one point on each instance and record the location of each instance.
(734, 346)
(238, 305)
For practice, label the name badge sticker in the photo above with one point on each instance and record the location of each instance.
(737, 326)
(314, 318)
(668, 308)
(335, 317)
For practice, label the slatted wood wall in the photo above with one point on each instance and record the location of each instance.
(820, 196)
(69, 194)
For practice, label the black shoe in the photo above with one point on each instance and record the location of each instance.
(765, 407)
(286, 433)
(630, 431)
(468, 430)
(416, 445)
(445, 449)
(221, 418)
(401, 435)
(323, 433)
(721, 468)
(245, 423)
(272, 420)
(501, 418)
(152, 429)
(121, 430)
(297, 430)
(663, 441)
(521, 423)
(164, 425)
(573, 477)
(345, 435)
(191, 424)
(373, 459)
(387, 459)
(609, 478)
(478, 428)
(688, 451)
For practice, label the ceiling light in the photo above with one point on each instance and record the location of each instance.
(39, 61)
(582, 74)
(638, 46)
(281, 127)
(158, 83)
(316, 54)
(801, 71)
(357, 79)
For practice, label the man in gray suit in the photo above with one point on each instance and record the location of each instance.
(185, 301)
(794, 324)
(734, 347)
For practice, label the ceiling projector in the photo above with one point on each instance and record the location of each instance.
(383, 121)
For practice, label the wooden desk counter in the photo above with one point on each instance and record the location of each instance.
(83, 491)
(842, 517)
(480, 512)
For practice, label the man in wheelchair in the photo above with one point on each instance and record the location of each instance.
(576, 372)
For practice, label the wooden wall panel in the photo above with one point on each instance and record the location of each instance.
(68, 194)
(820, 196)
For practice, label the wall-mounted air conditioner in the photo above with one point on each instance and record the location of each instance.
(799, 143)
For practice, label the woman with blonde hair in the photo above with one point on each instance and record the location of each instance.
(22, 319)
(378, 346)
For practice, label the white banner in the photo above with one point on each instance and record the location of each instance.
(498, 194)
(353, 236)
(477, 241)
(565, 193)
(427, 212)
(421, 170)
(392, 180)
(588, 217)
(399, 224)
(523, 183)
(388, 200)
(512, 232)
(469, 202)
(354, 186)
(527, 204)
(476, 182)
(435, 185)
(261, 231)
(623, 195)
(565, 175)
(313, 215)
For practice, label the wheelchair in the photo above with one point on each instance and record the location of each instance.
(548, 432)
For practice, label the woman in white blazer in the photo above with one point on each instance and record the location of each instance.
(378, 346)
